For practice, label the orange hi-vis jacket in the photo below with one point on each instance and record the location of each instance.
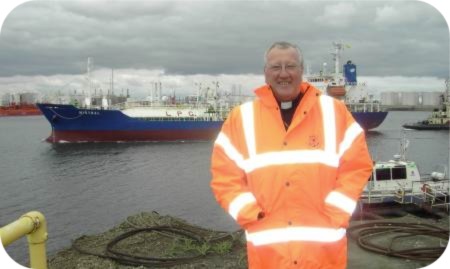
(305, 181)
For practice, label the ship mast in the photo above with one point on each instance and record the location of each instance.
(87, 99)
(338, 47)
(447, 97)
(112, 81)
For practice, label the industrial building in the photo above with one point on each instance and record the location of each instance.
(18, 98)
(411, 100)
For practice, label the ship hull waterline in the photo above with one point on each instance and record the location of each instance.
(71, 125)
(419, 126)
(132, 136)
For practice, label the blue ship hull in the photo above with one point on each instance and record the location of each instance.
(369, 120)
(70, 124)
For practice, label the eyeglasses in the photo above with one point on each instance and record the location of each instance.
(278, 67)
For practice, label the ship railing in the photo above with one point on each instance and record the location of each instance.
(137, 104)
(364, 107)
(434, 197)
(429, 194)
(400, 196)
(199, 118)
(34, 226)
(374, 196)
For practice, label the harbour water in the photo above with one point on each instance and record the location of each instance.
(89, 188)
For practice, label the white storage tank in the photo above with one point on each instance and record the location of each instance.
(389, 98)
(431, 98)
(409, 99)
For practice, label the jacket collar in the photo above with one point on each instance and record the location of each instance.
(264, 93)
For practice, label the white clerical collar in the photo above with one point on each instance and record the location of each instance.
(286, 105)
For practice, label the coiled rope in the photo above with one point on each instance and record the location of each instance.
(177, 231)
(366, 234)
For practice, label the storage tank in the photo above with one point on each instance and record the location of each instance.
(27, 98)
(389, 98)
(350, 73)
(6, 99)
(410, 99)
(431, 98)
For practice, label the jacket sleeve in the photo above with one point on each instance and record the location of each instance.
(355, 167)
(229, 182)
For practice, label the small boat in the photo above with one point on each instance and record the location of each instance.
(399, 180)
(439, 118)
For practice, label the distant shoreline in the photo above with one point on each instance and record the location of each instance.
(408, 108)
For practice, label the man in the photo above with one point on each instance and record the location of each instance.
(289, 167)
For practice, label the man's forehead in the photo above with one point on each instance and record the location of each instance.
(277, 52)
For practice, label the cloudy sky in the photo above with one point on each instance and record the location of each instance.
(44, 45)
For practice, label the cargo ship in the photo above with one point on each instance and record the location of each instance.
(439, 118)
(19, 104)
(345, 87)
(19, 110)
(135, 121)
(144, 121)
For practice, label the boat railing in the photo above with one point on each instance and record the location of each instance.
(364, 107)
(137, 104)
(431, 193)
(422, 192)
(400, 196)
(198, 118)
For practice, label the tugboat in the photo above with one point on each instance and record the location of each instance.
(439, 118)
(399, 180)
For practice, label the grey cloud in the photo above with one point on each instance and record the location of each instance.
(220, 37)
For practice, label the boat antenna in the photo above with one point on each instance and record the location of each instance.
(337, 57)
(112, 81)
(404, 146)
(90, 63)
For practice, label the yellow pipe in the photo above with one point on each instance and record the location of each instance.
(34, 225)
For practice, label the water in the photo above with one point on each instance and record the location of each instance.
(89, 188)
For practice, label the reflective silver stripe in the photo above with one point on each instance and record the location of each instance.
(232, 153)
(283, 235)
(240, 202)
(329, 124)
(327, 156)
(290, 157)
(341, 201)
(350, 135)
(248, 123)
(275, 158)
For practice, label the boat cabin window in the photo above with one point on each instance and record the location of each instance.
(383, 173)
(399, 172)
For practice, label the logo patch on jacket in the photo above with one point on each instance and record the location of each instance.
(313, 141)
